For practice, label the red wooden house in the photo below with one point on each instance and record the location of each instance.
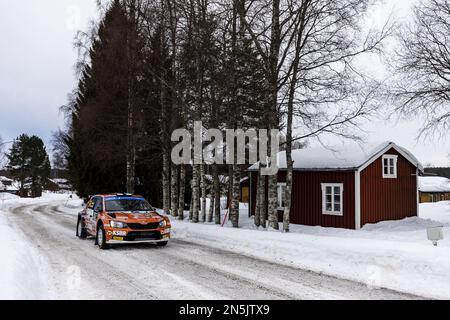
(347, 188)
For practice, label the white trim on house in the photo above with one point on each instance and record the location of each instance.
(418, 192)
(394, 159)
(250, 195)
(386, 149)
(357, 199)
(333, 212)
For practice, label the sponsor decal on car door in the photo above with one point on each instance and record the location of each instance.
(90, 216)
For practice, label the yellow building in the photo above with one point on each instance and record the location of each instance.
(245, 190)
(434, 189)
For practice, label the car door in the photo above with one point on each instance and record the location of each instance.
(90, 216)
(98, 209)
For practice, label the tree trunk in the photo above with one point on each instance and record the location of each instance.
(203, 189)
(235, 194)
(290, 164)
(166, 182)
(287, 209)
(211, 206)
(174, 191)
(131, 138)
(191, 206)
(195, 193)
(131, 149)
(257, 204)
(273, 105)
(273, 203)
(262, 201)
(182, 191)
(290, 116)
(166, 144)
(216, 186)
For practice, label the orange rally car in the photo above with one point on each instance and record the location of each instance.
(122, 218)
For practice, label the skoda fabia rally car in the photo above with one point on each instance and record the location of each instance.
(119, 219)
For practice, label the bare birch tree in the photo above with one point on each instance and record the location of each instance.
(204, 194)
(309, 49)
(328, 36)
(195, 193)
(182, 190)
(421, 84)
(174, 190)
(211, 205)
(217, 196)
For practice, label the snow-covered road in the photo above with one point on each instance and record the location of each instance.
(183, 270)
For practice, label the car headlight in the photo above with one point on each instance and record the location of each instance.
(118, 225)
(163, 224)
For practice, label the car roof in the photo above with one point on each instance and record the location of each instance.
(120, 195)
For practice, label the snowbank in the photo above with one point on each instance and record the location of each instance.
(438, 211)
(24, 272)
(394, 255)
(8, 196)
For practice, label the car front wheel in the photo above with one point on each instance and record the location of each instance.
(101, 238)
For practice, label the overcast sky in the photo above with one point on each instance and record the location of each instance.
(36, 71)
(36, 62)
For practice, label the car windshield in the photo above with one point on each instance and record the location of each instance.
(127, 205)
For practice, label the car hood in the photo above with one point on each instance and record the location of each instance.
(145, 217)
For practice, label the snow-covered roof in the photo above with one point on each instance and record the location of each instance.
(434, 184)
(59, 180)
(342, 158)
(7, 184)
(244, 179)
(61, 183)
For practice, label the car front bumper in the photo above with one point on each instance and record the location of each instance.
(137, 236)
(136, 241)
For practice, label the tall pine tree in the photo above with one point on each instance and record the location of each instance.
(29, 164)
(99, 136)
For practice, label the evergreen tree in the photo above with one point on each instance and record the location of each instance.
(117, 96)
(29, 163)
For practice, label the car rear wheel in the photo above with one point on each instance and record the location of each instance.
(162, 244)
(101, 238)
(81, 230)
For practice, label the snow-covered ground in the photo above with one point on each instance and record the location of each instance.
(391, 254)
(24, 273)
(394, 255)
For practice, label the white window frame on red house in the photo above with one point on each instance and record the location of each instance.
(280, 195)
(391, 166)
(333, 211)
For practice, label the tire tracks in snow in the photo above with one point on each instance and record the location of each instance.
(101, 279)
(183, 270)
(200, 280)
